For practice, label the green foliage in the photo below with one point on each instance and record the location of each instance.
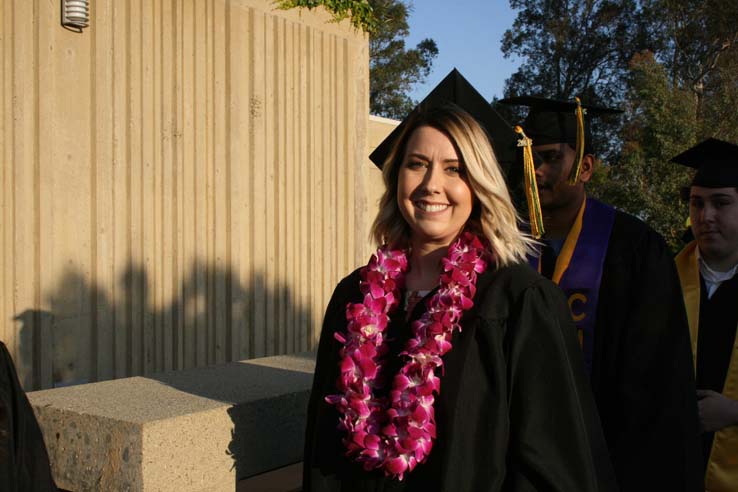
(578, 48)
(660, 123)
(719, 115)
(573, 47)
(394, 69)
(676, 97)
(358, 11)
(696, 35)
(672, 65)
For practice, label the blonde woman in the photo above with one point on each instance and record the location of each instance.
(447, 363)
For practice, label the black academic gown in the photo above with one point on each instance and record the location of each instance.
(715, 342)
(24, 463)
(642, 373)
(515, 412)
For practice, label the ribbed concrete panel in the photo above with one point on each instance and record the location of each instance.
(183, 183)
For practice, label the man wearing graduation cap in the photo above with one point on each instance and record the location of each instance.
(707, 270)
(624, 296)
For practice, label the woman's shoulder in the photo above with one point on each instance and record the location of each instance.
(351, 280)
(346, 290)
(511, 279)
(501, 289)
(349, 283)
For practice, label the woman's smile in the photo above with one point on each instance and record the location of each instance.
(431, 207)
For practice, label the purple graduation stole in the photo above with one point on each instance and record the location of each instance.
(579, 269)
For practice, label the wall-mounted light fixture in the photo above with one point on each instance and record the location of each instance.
(75, 14)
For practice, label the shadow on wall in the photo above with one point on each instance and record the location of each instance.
(94, 334)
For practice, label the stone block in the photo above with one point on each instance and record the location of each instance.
(192, 430)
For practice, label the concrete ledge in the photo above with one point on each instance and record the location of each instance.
(197, 429)
(287, 479)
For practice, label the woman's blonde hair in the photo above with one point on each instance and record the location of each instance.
(493, 214)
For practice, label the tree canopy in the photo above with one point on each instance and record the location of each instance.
(573, 47)
(359, 12)
(671, 64)
(393, 68)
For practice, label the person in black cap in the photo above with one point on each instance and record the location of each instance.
(24, 462)
(623, 292)
(446, 363)
(707, 270)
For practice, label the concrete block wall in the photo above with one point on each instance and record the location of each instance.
(378, 129)
(183, 183)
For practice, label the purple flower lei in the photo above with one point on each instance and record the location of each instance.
(395, 433)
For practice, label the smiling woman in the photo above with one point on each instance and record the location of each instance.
(433, 193)
(479, 384)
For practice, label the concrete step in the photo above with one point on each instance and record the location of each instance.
(192, 430)
(285, 479)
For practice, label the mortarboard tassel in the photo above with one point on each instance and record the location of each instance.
(575, 170)
(531, 187)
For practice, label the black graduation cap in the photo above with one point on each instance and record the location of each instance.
(716, 162)
(454, 88)
(554, 121)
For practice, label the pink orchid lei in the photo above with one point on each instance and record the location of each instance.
(395, 433)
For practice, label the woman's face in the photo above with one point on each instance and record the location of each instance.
(433, 192)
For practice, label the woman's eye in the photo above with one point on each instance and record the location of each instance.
(453, 170)
(415, 164)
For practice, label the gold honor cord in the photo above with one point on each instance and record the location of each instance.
(574, 174)
(531, 187)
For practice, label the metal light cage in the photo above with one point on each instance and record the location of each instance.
(75, 14)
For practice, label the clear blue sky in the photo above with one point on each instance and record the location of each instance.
(468, 34)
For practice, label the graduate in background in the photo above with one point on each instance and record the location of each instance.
(24, 462)
(450, 374)
(623, 292)
(707, 270)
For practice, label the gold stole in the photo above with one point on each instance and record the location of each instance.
(722, 469)
(563, 260)
(567, 250)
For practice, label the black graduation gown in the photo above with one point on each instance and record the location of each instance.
(24, 463)
(715, 342)
(515, 412)
(642, 373)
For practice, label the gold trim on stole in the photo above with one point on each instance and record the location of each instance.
(567, 250)
(689, 277)
(722, 468)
